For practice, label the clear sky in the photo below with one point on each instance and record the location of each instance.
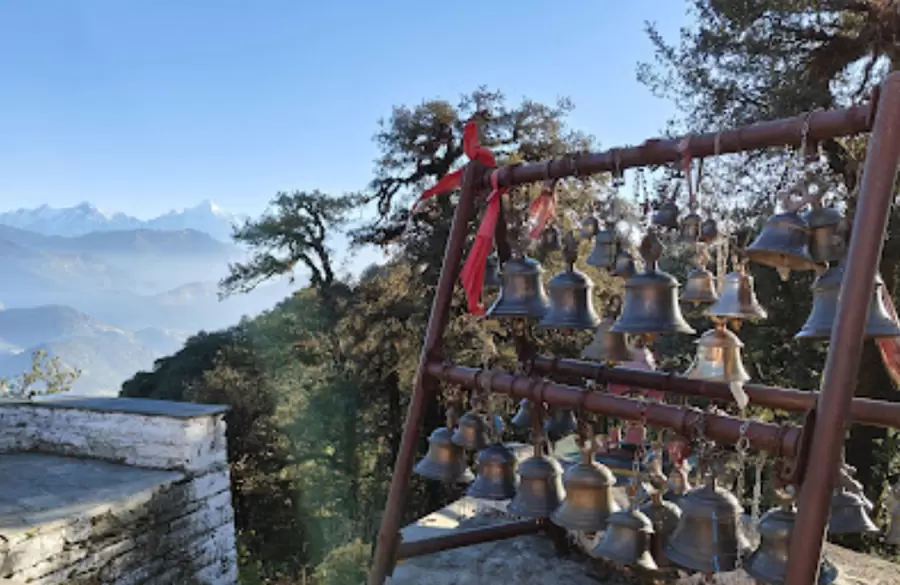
(143, 106)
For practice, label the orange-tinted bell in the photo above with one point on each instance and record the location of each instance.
(444, 461)
(737, 299)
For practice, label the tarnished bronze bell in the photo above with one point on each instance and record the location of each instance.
(823, 223)
(444, 460)
(627, 540)
(522, 291)
(848, 514)
(472, 432)
(690, 227)
(737, 299)
(651, 297)
(893, 507)
(718, 357)
(709, 231)
(666, 216)
(589, 499)
(571, 303)
(560, 424)
(826, 293)
(700, 286)
(492, 272)
(783, 244)
(495, 474)
(710, 536)
(664, 516)
(768, 563)
(624, 266)
(607, 346)
(678, 483)
(540, 488)
(522, 418)
(605, 248)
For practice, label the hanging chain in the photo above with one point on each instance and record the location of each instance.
(757, 489)
(742, 447)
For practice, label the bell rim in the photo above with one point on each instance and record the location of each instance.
(679, 328)
(794, 261)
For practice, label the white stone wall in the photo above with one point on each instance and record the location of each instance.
(171, 524)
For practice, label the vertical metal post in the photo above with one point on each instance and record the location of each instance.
(389, 531)
(842, 365)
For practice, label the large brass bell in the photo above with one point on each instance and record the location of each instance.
(783, 242)
(664, 516)
(718, 357)
(848, 514)
(826, 293)
(651, 297)
(605, 248)
(709, 537)
(627, 540)
(522, 418)
(768, 563)
(444, 461)
(472, 432)
(540, 488)
(737, 299)
(492, 272)
(700, 285)
(522, 291)
(893, 505)
(589, 499)
(571, 305)
(666, 216)
(560, 424)
(495, 474)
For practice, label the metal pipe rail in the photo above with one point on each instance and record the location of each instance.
(862, 410)
(427, 546)
(779, 440)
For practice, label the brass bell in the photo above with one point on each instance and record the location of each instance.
(690, 227)
(893, 505)
(627, 540)
(718, 357)
(444, 460)
(848, 514)
(522, 418)
(492, 272)
(737, 299)
(783, 244)
(824, 223)
(560, 424)
(495, 474)
(651, 297)
(664, 516)
(607, 346)
(700, 286)
(666, 216)
(848, 482)
(522, 291)
(826, 293)
(624, 266)
(710, 536)
(768, 563)
(540, 488)
(709, 231)
(571, 304)
(589, 498)
(472, 432)
(605, 248)
(678, 483)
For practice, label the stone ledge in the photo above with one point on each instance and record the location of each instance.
(142, 406)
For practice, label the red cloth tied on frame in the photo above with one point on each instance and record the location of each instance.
(890, 346)
(543, 208)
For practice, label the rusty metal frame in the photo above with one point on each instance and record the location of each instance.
(832, 408)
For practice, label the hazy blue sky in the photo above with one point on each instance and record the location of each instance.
(146, 105)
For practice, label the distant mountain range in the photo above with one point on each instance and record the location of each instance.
(84, 218)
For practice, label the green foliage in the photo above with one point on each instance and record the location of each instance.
(344, 565)
(48, 375)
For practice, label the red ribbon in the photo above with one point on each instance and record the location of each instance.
(890, 346)
(543, 208)
(472, 274)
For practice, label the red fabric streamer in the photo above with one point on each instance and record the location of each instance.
(543, 208)
(890, 346)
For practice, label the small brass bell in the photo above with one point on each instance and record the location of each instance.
(492, 272)
(522, 291)
(472, 432)
(522, 418)
(540, 488)
(690, 227)
(495, 474)
(826, 293)
(710, 536)
(665, 517)
(666, 216)
(709, 231)
(560, 424)
(607, 346)
(769, 562)
(737, 299)
(848, 514)
(444, 461)
(700, 286)
(605, 248)
(627, 540)
(824, 223)
(783, 242)
(718, 357)
(571, 304)
(678, 483)
(624, 266)
(651, 297)
(589, 499)
(893, 505)
(589, 227)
